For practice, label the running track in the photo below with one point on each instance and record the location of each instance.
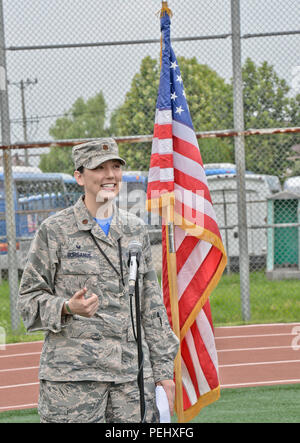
(248, 356)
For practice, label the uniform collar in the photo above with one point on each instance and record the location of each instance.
(85, 222)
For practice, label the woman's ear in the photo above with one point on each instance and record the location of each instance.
(79, 178)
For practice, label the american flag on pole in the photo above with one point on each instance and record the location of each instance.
(177, 188)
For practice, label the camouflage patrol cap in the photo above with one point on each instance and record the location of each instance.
(93, 153)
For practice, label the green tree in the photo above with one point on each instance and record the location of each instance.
(136, 115)
(267, 105)
(84, 120)
(210, 103)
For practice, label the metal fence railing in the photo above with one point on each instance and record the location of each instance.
(73, 71)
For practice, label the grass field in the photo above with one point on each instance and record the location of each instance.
(267, 404)
(271, 302)
(13, 336)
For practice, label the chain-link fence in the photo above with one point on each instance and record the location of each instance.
(79, 70)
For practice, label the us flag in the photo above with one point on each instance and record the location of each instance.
(178, 190)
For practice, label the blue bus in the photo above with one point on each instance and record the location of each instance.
(38, 195)
(35, 196)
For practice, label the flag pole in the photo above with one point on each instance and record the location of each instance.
(172, 275)
(168, 208)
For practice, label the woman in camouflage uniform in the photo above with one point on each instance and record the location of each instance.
(79, 297)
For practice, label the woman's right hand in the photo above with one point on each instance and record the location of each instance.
(78, 304)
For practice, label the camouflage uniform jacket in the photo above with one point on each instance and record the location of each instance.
(63, 259)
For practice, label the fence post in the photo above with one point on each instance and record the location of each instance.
(239, 144)
(9, 199)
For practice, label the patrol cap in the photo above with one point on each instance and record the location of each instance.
(93, 153)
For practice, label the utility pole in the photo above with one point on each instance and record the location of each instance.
(22, 85)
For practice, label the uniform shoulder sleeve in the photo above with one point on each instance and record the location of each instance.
(39, 307)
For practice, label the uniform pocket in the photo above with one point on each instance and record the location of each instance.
(156, 319)
(69, 402)
(74, 263)
(82, 328)
(77, 267)
(102, 326)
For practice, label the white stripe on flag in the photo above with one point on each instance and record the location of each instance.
(191, 265)
(203, 386)
(195, 201)
(187, 383)
(163, 117)
(208, 338)
(161, 174)
(162, 146)
(184, 132)
(179, 235)
(189, 167)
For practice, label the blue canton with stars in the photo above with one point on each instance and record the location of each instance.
(171, 93)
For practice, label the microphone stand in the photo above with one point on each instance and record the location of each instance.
(138, 339)
(140, 377)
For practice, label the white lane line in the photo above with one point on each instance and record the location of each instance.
(25, 343)
(18, 386)
(12, 407)
(256, 383)
(257, 335)
(259, 363)
(19, 369)
(255, 349)
(20, 355)
(259, 325)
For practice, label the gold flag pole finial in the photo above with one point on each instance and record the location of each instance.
(165, 8)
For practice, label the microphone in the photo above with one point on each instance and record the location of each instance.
(135, 250)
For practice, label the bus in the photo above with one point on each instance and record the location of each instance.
(38, 195)
(132, 196)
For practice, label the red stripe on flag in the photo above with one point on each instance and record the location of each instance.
(191, 183)
(165, 278)
(197, 217)
(198, 284)
(162, 131)
(156, 189)
(187, 149)
(186, 356)
(207, 311)
(162, 161)
(186, 401)
(184, 251)
(207, 366)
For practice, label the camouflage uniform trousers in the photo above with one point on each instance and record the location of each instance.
(95, 402)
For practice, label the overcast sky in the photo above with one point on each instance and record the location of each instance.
(65, 74)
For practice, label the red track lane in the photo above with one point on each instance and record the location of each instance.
(248, 356)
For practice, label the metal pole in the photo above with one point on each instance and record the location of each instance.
(226, 232)
(239, 143)
(9, 199)
(24, 122)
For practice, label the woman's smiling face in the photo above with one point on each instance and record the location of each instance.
(102, 183)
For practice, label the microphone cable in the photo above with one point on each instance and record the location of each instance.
(140, 380)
